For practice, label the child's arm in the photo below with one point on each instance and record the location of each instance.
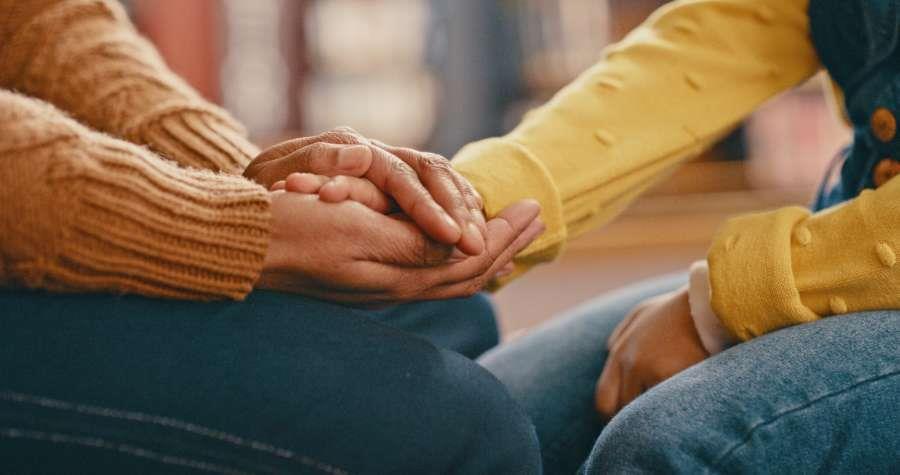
(767, 271)
(785, 267)
(685, 78)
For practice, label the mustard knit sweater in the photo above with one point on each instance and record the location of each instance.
(674, 86)
(114, 174)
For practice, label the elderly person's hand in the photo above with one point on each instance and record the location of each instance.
(656, 341)
(349, 253)
(422, 184)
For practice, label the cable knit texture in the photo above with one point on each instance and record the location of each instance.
(85, 57)
(88, 201)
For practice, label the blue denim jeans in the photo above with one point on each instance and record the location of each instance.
(816, 398)
(275, 384)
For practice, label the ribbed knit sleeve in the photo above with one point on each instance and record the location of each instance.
(82, 211)
(84, 57)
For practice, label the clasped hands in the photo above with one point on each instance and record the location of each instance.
(362, 222)
(397, 225)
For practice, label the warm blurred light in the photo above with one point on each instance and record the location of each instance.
(368, 69)
(254, 74)
(561, 38)
(187, 35)
(793, 139)
(362, 36)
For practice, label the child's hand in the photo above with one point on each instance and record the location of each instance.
(656, 341)
(338, 189)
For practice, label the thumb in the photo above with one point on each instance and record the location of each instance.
(318, 158)
(331, 159)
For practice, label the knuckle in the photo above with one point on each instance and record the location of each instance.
(305, 159)
(436, 163)
(314, 150)
(399, 167)
(477, 200)
(344, 129)
(345, 135)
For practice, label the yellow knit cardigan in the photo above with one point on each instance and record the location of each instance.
(685, 78)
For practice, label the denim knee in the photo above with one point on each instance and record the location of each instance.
(815, 398)
(498, 436)
(649, 437)
(310, 380)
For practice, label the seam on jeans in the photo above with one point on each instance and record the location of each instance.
(132, 450)
(52, 425)
(749, 435)
(171, 423)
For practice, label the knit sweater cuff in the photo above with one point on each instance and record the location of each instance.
(713, 334)
(143, 225)
(504, 172)
(199, 138)
(754, 290)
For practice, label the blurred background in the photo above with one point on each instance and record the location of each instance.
(437, 74)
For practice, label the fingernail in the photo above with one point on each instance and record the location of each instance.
(527, 208)
(506, 270)
(450, 222)
(349, 157)
(475, 238)
(478, 215)
(537, 228)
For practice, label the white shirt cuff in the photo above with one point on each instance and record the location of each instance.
(714, 336)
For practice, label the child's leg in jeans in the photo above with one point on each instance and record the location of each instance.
(553, 370)
(816, 398)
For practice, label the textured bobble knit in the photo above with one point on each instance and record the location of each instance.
(114, 174)
(692, 72)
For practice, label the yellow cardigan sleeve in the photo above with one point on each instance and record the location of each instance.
(786, 267)
(686, 77)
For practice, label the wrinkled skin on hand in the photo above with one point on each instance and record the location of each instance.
(423, 185)
(347, 252)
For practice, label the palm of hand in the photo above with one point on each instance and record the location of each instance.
(350, 253)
